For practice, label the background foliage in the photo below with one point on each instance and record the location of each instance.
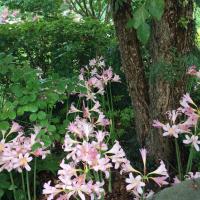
(61, 45)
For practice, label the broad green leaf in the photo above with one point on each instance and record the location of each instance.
(47, 140)
(4, 181)
(12, 115)
(32, 97)
(44, 123)
(33, 117)
(4, 125)
(143, 33)
(140, 16)
(40, 134)
(156, 8)
(51, 128)
(41, 104)
(41, 115)
(20, 111)
(31, 108)
(51, 163)
(17, 91)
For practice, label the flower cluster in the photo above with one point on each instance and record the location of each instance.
(189, 110)
(88, 158)
(7, 16)
(193, 71)
(137, 183)
(95, 77)
(182, 123)
(16, 154)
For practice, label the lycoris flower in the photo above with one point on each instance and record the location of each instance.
(135, 183)
(17, 153)
(89, 159)
(85, 141)
(194, 140)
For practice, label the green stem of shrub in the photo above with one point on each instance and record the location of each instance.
(28, 186)
(190, 159)
(13, 185)
(178, 157)
(23, 185)
(34, 179)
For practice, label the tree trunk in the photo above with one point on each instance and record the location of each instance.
(169, 39)
(133, 69)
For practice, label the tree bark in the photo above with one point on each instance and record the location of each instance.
(151, 101)
(133, 69)
(169, 39)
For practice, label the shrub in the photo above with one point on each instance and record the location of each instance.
(61, 45)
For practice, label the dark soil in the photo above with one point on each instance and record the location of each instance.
(118, 189)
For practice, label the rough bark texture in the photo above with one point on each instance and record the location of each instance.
(151, 101)
(169, 38)
(133, 69)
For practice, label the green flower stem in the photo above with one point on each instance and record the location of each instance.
(110, 183)
(190, 159)
(28, 186)
(178, 157)
(112, 135)
(34, 178)
(13, 185)
(112, 117)
(23, 185)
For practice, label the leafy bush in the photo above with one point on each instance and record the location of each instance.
(27, 97)
(61, 45)
(47, 8)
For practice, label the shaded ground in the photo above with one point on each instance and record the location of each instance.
(118, 189)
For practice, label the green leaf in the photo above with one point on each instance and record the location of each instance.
(44, 123)
(20, 111)
(31, 108)
(32, 97)
(12, 187)
(41, 115)
(140, 16)
(36, 146)
(40, 134)
(12, 115)
(20, 195)
(33, 117)
(51, 128)
(4, 181)
(41, 104)
(17, 90)
(156, 8)
(51, 163)
(197, 2)
(57, 137)
(4, 125)
(47, 140)
(1, 193)
(143, 33)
